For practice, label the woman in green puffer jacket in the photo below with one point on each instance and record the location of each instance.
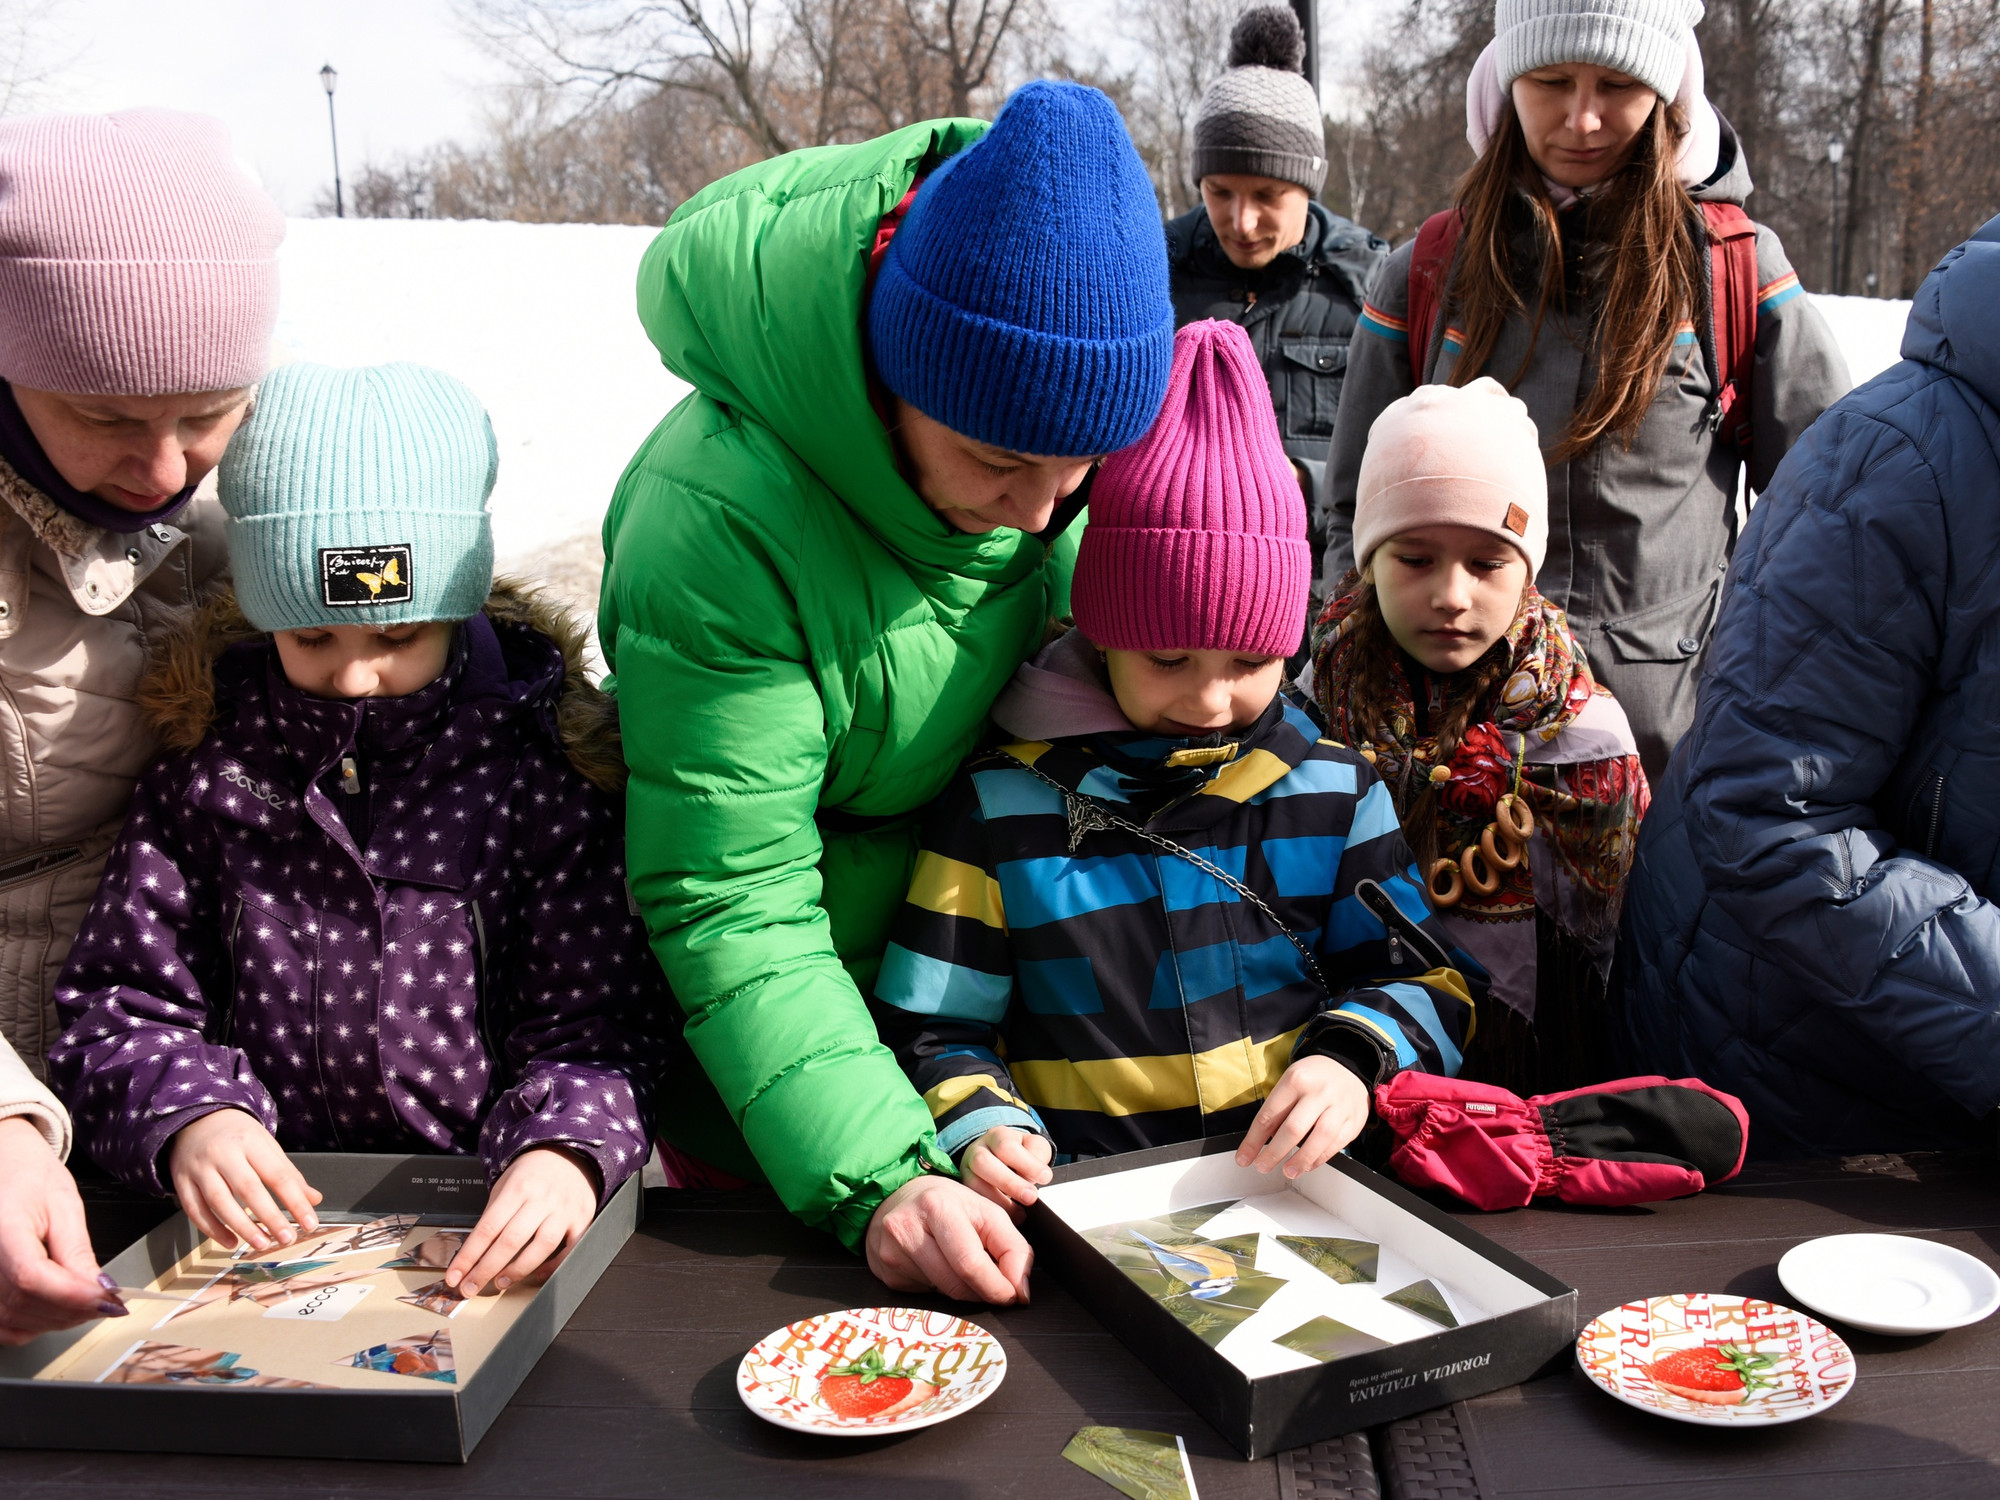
(822, 567)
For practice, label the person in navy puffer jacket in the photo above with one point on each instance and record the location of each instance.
(372, 896)
(1811, 923)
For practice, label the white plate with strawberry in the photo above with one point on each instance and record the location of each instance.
(871, 1370)
(1715, 1358)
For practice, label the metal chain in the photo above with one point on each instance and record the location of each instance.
(1088, 816)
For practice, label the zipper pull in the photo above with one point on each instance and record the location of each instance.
(1395, 949)
(350, 776)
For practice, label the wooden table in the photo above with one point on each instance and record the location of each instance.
(636, 1398)
(1923, 1418)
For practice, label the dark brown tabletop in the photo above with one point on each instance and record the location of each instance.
(636, 1397)
(1923, 1418)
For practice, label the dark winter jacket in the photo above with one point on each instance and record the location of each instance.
(1639, 536)
(1299, 312)
(1135, 998)
(440, 959)
(1811, 922)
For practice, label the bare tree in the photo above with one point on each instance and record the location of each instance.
(965, 37)
(1183, 45)
(1871, 36)
(35, 51)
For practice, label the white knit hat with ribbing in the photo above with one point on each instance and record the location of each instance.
(1646, 39)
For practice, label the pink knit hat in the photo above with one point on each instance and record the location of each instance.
(1454, 456)
(136, 258)
(1197, 532)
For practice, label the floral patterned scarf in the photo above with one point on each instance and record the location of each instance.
(1588, 811)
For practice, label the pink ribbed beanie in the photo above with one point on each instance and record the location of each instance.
(1197, 532)
(1454, 456)
(136, 258)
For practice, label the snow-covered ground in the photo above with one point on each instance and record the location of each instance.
(1870, 330)
(539, 320)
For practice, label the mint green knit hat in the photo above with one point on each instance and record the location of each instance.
(358, 497)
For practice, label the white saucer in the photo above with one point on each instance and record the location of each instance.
(1890, 1283)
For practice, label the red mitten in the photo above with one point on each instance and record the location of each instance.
(1634, 1140)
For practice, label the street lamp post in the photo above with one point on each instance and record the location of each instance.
(1835, 149)
(327, 79)
(1308, 14)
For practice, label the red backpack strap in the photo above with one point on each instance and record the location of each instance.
(1437, 243)
(1732, 317)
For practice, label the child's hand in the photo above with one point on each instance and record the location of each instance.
(539, 1208)
(1006, 1165)
(232, 1177)
(1318, 1106)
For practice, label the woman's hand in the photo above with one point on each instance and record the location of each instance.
(48, 1277)
(1006, 1165)
(1318, 1106)
(232, 1178)
(937, 1234)
(538, 1209)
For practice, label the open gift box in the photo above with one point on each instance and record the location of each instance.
(1287, 1312)
(344, 1348)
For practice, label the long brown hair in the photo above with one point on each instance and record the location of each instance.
(1653, 276)
(1377, 660)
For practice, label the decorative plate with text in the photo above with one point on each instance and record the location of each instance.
(871, 1370)
(1714, 1358)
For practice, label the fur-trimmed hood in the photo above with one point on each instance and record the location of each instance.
(177, 695)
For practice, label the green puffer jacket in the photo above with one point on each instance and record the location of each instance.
(803, 651)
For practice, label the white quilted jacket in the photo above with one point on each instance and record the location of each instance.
(78, 606)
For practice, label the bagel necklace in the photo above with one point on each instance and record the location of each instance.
(1502, 846)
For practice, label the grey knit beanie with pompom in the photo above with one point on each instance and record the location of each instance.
(1261, 118)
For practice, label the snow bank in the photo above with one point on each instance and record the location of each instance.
(539, 320)
(1870, 330)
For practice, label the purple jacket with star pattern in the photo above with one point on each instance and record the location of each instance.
(442, 957)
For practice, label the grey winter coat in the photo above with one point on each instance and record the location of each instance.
(1300, 313)
(1812, 920)
(1639, 537)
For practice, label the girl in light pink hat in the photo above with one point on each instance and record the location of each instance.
(1167, 907)
(138, 288)
(1513, 770)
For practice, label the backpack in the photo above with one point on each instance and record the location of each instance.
(1730, 343)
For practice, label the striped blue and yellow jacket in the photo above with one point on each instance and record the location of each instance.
(1112, 995)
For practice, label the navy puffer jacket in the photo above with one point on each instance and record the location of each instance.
(1811, 921)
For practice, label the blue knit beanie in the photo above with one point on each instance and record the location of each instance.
(358, 497)
(1024, 301)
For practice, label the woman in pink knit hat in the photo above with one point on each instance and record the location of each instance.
(1514, 772)
(1167, 908)
(138, 289)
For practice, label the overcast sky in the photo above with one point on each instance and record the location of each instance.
(408, 75)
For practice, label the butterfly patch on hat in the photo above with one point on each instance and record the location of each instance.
(355, 577)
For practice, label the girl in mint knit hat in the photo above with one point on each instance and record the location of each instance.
(1168, 908)
(372, 896)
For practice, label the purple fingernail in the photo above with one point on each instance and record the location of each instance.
(110, 1309)
(106, 1280)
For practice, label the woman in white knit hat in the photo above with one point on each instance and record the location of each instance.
(1514, 771)
(1598, 263)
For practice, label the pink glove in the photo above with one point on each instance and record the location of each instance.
(1634, 1140)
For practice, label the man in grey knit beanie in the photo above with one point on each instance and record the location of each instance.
(1260, 251)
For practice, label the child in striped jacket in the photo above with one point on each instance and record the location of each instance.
(1168, 908)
